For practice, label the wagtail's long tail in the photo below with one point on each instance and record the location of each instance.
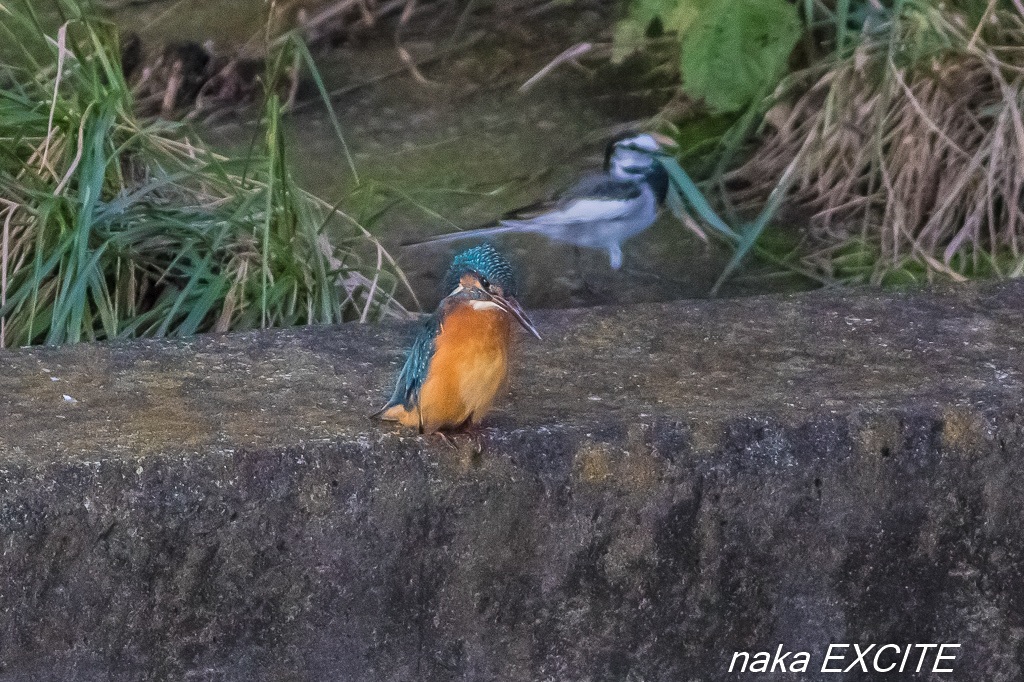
(469, 234)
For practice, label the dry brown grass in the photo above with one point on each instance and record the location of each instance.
(911, 148)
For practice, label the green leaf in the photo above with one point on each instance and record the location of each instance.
(681, 17)
(737, 51)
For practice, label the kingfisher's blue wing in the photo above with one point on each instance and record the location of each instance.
(417, 362)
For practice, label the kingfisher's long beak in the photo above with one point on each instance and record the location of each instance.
(513, 308)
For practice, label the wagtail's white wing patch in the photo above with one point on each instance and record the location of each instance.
(581, 211)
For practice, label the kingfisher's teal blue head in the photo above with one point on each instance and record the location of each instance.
(485, 261)
(482, 273)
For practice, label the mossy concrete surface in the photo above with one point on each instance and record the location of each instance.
(664, 485)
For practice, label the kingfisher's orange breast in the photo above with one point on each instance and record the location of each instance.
(468, 367)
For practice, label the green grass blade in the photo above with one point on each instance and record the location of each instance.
(752, 231)
(842, 19)
(300, 47)
(682, 182)
(211, 294)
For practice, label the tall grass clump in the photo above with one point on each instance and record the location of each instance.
(907, 149)
(113, 226)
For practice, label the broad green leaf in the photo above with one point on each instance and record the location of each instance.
(684, 14)
(735, 51)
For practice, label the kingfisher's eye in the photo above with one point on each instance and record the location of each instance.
(484, 283)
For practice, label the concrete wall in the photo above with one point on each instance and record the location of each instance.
(666, 485)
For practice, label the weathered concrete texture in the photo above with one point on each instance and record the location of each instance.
(666, 485)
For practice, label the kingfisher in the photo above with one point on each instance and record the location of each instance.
(460, 358)
(603, 209)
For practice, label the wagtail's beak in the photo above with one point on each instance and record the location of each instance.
(665, 141)
(513, 308)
